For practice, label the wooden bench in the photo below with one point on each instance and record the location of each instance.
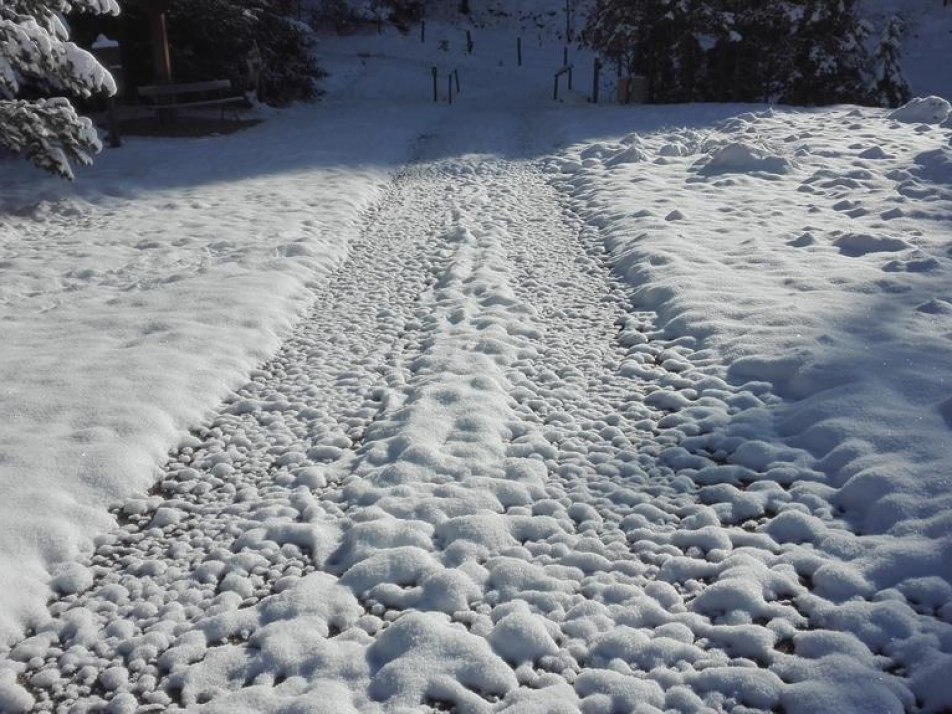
(215, 92)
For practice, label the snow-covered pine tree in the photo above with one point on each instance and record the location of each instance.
(399, 12)
(795, 51)
(213, 38)
(756, 55)
(660, 39)
(614, 29)
(35, 53)
(829, 59)
(674, 50)
(892, 90)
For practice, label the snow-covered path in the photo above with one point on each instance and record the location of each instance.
(477, 479)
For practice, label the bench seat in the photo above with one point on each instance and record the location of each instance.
(177, 96)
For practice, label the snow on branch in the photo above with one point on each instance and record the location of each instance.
(35, 50)
(49, 132)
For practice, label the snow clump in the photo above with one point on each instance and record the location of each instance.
(923, 110)
(741, 158)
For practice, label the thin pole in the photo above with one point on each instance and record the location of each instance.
(436, 94)
(161, 58)
(456, 76)
(160, 48)
(595, 80)
(565, 56)
(449, 89)
(519, 50)
(422, 30)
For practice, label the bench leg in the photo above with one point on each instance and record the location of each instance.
(165, 115)
(234, 112)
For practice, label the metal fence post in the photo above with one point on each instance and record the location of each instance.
(519, 50)
(555, 87)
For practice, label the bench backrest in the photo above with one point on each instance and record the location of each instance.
(161, 90)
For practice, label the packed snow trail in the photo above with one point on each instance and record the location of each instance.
(476, 480)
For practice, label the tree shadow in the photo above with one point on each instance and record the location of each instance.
(337, 136)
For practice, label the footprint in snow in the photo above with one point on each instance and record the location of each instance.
(918, 263)
(936, 306)
(805, 240)
(856, 245)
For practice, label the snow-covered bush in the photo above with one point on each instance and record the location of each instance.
(36, 55)
(341, 14)
(332, 13)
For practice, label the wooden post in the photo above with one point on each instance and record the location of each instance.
(115, 140)
(555, 86)
(595, 80)
(161, 59)
(519, 50)
(160, 48)
(436, 94)
(469, 42)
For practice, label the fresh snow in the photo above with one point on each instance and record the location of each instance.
(132, 301)
(826, 279)
(923, 110)
(500, 407)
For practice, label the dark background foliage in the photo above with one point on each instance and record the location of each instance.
(212, 39)
(807, 52)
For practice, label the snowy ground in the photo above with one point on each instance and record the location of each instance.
(810, 250)
(599, 428)
(133, 300)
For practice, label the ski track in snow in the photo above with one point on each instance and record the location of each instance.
(476, 479)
